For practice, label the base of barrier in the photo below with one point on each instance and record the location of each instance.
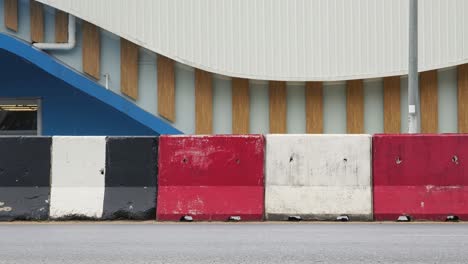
(318, 203)
(420, 217)
(210, 203)
(129, 203)
(318, 217)
(76, 203)
(431, 203)
(24, 203)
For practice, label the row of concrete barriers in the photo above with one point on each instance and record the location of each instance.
(235, 177)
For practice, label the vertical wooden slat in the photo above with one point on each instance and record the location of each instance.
(314, 107)
(37, 21)
(240, 106)
(277, 98)
(11, 14)
(355, 107)
(129, 68)
(166, 88)
(203, 102)
(428, 96)
(61, 26)
(392, 111)
(91, 50)
(462, 72)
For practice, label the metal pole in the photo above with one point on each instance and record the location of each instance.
(413, 80)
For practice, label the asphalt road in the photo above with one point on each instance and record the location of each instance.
(234, 243)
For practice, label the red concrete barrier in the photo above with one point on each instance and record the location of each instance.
(211, 177)
(423, 176)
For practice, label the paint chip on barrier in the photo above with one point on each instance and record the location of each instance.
(5, 209)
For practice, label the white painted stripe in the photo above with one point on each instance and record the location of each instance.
(318, 200)
(77, 184)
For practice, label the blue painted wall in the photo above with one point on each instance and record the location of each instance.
(65, 110)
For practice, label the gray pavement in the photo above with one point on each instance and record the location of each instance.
(234, 243)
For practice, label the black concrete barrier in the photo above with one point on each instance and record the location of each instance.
(24, 178)
(131, 178)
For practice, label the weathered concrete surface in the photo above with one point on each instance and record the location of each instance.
(24, 178)
(137, 203)
(424, 176)
(318, 177)
(234, 243)
(131, 177)
(78, 172)
(211, 177)
(24, 203)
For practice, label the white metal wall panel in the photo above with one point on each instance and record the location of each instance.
(292, 40)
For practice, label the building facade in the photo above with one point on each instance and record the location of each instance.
(222, 67)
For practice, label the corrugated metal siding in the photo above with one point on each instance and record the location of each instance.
(291, 40)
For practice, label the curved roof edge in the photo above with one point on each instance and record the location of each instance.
(59, 70)
(285, 40)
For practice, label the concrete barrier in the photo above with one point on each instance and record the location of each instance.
(210, 177)
(318, 177)
(130, 180)
(423, 176)
(24, 178)
(78, 177)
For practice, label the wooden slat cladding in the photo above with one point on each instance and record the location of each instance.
(428, 99)
(91, 50)
(203, 102)
(392, 111)
(462, 72)
(11, 14)
(277, 98)
(240, 106)
(61, 26)
(166, 88)
(37, 21)
(355, 107)
(129, 68)
(314, 107)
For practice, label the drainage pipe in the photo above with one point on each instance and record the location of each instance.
(62, 46)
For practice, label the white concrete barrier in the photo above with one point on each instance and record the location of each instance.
(318, 177)
(78, 177)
